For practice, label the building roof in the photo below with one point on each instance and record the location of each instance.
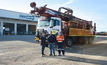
(17, 15)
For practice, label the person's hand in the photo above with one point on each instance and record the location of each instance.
(40, 41)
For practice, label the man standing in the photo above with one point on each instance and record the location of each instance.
(52, 41)
(60, 43)
(43, 43)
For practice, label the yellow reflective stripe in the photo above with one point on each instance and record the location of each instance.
(59, 41)
(60, 49)
(89, 35)
(73, 35)
(80, 35)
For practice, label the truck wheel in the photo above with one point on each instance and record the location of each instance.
(90, 41)
(69, 42)
(86, 41)
(83, 40)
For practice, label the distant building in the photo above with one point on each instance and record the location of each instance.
(17, 23)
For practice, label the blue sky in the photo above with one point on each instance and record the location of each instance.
(92, 10)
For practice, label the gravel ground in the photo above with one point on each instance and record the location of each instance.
(23, 50)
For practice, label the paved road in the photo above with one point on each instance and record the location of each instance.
(23, 50)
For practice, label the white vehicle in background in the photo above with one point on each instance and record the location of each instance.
(103, 33)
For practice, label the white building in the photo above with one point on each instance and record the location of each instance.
(17, 23)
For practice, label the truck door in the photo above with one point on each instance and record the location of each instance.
(55, 26)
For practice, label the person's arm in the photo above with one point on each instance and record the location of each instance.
(55, 41)
(48, 38)
(41, 40)
(63, 39)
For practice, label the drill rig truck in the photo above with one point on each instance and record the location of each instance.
(74, 29)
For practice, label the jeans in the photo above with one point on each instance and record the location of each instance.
(52, 50)
(43, 48)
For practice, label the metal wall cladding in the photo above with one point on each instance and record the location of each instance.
(72, 31)
(78, 32)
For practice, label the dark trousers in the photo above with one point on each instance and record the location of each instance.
(42, 48)
(60, 48)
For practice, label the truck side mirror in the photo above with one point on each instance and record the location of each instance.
(51, 26)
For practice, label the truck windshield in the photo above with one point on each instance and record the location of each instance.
(44, 23)
(55, 22)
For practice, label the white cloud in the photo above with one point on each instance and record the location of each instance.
(56, 6)
(69, 2)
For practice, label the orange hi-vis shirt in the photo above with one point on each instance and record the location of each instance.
(60, 38)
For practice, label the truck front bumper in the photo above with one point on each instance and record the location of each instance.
(37, 39)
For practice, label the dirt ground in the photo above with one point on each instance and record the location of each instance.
(23, 50)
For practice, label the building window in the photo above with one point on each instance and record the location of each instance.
(21, 29)
(31, 29)
(8, 28)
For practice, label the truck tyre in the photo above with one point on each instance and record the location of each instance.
(90, 41)
(86, 41)
(69, 42)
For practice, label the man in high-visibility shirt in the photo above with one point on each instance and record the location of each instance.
(60, 43)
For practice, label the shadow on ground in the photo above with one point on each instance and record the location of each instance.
(27, 38)
(76, 48)
(85, 60)
(98, 48)
(92, 49)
